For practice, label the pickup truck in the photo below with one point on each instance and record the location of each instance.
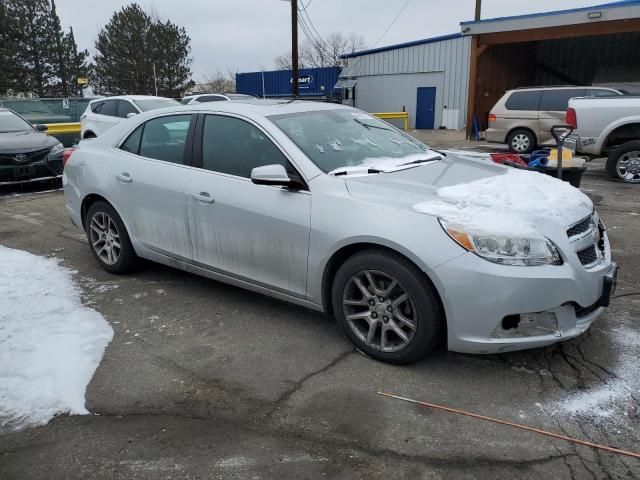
(608, 127)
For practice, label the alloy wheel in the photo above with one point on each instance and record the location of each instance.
(628, 167)
(105, 238)
(520, 142)
(379, 311)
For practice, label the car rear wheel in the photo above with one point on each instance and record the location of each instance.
(386, 307)
(521, 141)
(624, 162)
(108, 239)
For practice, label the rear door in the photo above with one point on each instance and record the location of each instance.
(106, 116)
(148, 176)
(520, 111)
(553, 110)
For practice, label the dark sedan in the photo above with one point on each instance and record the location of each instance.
(26, 153)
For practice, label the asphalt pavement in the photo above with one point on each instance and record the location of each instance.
(203, 380)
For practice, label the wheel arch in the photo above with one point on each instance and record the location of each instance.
(89, 134)
(347, 251)
(622, 134)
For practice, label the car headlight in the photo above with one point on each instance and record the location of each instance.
(506, 250)
(57, 148)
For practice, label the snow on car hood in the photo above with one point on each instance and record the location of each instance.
(515, 203)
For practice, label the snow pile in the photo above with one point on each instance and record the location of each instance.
(513, 203)
(50, 344)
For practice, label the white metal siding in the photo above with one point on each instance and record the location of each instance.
(446, 64)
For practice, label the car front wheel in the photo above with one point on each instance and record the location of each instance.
(108, 239)
(386, 307)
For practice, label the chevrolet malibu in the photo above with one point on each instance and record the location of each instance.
(330, 208)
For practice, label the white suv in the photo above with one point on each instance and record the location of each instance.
(104, 113)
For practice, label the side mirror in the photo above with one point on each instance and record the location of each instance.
(270, 175)
(129, 115)
(41, 127)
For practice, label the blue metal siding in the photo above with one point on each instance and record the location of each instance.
(314, 82)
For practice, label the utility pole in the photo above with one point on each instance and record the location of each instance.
(294, 48)
(478, 9)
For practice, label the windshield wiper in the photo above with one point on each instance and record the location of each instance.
(422, 160)
(368, 125)
(347, 172)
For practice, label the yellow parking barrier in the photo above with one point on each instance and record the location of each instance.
(62, 128)
(394, 116)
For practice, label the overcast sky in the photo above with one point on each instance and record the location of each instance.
(246, 35)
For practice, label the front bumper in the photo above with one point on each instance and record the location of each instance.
(50, 168)
(478, 295)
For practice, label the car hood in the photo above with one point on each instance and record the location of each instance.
(16, 142)
(479, 195)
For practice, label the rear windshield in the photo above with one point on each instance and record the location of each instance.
(525, 100)
(153, 103)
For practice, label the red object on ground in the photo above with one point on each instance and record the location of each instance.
(508, 157)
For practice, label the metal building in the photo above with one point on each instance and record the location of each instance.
(428, 78)
(448, 81)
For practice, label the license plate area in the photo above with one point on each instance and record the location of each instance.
(21, 172)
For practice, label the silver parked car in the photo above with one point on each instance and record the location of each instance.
(327, 207)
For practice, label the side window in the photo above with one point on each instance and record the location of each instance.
(164, 138)
(526, 100)
(109, 108)
(132, 143)
(125, 108)
(210, 98)
(596, 92)
(558, 100)
(96, 107)
(235, 147)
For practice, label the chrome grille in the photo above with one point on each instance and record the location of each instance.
(581, 227)
(32, 157)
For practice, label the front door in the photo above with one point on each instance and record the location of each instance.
(256, 233)
(148, 178)
(426, 108)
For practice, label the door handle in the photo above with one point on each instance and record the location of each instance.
(203, 197)
(124, 177)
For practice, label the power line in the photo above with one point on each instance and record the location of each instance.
(392, 23)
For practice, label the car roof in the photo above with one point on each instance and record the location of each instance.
(265, 107)
(128, 97)
(562, 87)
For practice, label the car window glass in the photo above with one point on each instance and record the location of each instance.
(109, 108)
(210, 98)
(96, 107)
(596, 92)
(164, 138)
(132, 143)
(526, 100)
(236, 147)
(125, 108)
(558, 100)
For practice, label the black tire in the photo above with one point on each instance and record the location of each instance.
(614, 158)
(428, 316)
(127, 256)
(515, 139)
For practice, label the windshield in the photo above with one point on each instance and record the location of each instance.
(10, 122)
(342, 139)
(153, 103)
(186, 100)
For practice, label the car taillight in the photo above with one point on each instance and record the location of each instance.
(66, 154)
(571, 118)
(492, 117)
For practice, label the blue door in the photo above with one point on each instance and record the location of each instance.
(426, 108)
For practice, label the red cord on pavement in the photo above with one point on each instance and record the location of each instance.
(515, 425)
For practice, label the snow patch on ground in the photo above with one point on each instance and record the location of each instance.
(50, 344)
(513, 203)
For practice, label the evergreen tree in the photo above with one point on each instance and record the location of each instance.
(35, 44)
(130, 45)
(76, 63)
(8, 70)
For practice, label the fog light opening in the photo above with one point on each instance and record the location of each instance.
(528, 325)
(510, 322)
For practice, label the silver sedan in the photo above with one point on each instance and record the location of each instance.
(323, 205)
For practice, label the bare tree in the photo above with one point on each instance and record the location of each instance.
(325, 53)
(219, 82)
